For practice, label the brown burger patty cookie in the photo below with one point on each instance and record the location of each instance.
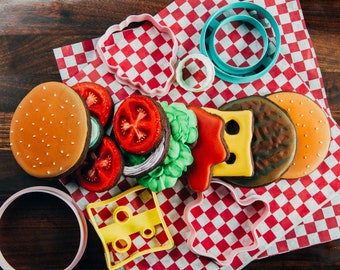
(274, 140)
(50, 131)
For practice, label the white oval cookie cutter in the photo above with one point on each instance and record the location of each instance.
(226, 256)
(209, 74)
(69, 201)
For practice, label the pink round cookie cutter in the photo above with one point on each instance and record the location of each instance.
(69, 201)
(160, 91)
(229, 255)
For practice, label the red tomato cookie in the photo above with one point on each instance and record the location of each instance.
(97, 99)
(101, 169)
(138, 124)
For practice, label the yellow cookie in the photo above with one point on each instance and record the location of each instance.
(312, 129)
(238, 135)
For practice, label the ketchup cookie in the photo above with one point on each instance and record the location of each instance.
(50, 131)
(313, 132)
(209, 150)
(274, 140)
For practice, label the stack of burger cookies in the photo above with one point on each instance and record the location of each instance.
(59, 131)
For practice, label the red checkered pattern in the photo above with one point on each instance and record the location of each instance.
(73, 58)
(194, 73)
(292, 203)
(322, 226)
(238, 44)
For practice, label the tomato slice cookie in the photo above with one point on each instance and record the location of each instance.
(97, 99)
(101, 169)
(138, 124)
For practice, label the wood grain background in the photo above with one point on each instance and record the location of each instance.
(29, 30)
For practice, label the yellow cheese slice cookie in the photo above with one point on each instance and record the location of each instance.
(312, 129)
(50, 130)
(238, 135)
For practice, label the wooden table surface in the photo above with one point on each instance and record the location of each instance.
(29, 30)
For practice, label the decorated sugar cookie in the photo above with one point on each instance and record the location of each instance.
(138, 124)
(50, 131)
(274, 140)
(209, 150)
(238, 134)
(312, 129)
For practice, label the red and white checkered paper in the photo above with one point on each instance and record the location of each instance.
(299, 209)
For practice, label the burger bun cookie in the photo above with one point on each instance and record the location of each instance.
(50, 131)
(312, 128)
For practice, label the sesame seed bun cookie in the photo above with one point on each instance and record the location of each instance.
(312, 128)
(50, 131)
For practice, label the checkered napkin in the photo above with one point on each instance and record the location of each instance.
(299, 209)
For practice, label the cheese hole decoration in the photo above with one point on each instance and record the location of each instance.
(312, 128)
(273, 143)
(50, 131)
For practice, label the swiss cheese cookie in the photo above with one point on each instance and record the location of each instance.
(274, 140)
(312, 128)
(50, 131)
(238, 128)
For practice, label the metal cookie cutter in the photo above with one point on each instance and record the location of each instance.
(129, 225)
(251, 72)
(234, 222)
(69, 201)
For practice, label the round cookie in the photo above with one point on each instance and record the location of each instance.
(273, 144)
(138, 124)
(50, 131)
(312, 128)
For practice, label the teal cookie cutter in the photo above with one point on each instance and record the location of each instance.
(235, 69)
(250, 73)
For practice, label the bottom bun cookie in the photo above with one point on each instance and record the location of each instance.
(312, 128)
